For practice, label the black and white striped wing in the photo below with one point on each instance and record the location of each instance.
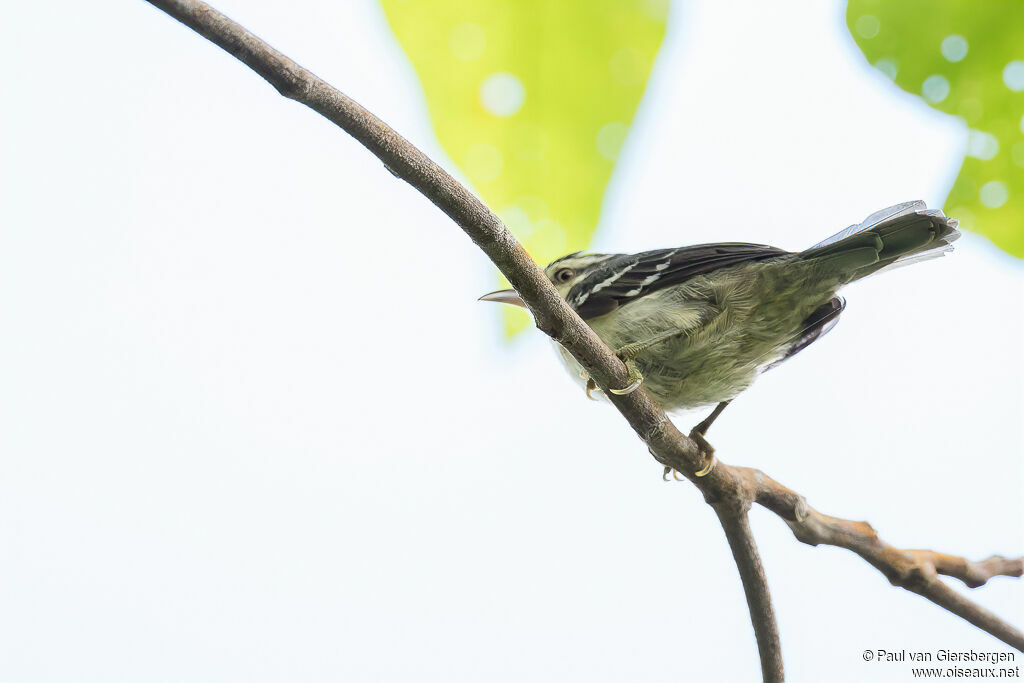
(626, 277)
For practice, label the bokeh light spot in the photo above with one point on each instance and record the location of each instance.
(993, 194)
(502, 94)
(888, 67)
(467, 41)
(867, 26)
(981, 145)
(954, 47)
(935, 88)
(1013, 75)
(610, 139)
(483, 163)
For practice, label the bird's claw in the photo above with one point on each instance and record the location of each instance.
(702, 472)
(707, 450)
(706, 470)
(675, 475)
(633, 386)
(635, 380)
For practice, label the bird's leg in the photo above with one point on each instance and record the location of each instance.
(703, 426)
(629, 352)
(707, 450)
(698, 433)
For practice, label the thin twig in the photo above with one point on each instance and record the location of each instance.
(723, 487)
(917, 571)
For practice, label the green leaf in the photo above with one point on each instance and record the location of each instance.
(965, 58)
(533, 99)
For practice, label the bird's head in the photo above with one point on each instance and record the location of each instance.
(564, 273)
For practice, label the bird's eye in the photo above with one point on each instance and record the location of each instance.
(564, 275)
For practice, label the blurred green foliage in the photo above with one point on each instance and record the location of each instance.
(532, 99)
(966, 58)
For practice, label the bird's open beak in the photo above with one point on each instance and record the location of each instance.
(504, 296)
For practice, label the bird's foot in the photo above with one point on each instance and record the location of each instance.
(636, 378)
(591, 384)
(675, 475)
(707, 450)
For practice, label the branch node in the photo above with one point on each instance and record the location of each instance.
(656, 432)
(801, 510)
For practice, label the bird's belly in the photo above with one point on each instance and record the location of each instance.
(681, 377)
(694, 380)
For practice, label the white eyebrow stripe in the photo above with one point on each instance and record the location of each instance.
(601, 285)
(633, 292)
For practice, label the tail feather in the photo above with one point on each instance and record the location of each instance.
(897, 236)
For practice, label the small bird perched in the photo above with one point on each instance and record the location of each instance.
(697, 325)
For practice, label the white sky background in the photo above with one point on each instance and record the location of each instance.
(255, 427)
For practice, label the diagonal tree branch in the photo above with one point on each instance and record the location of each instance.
(730, 490)
(915, 570)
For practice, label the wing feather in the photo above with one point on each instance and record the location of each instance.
(816, 326)
(625, 277)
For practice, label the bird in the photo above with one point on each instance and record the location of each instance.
(696, 325)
